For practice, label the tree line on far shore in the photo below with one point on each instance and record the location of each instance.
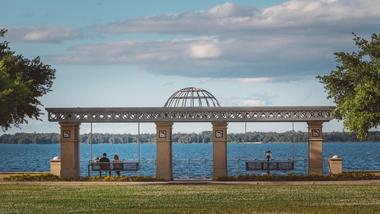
(203, 137)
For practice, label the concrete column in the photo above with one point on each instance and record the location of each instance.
(219, 143)
(70, 140)
(315, 140)
(164, 150)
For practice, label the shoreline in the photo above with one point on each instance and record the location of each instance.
(254, 143)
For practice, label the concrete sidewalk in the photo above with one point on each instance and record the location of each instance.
(191, 182)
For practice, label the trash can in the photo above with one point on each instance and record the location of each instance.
(336, 165)
(55, 166)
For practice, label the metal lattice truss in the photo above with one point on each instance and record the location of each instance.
(194, 114)
(192, 97)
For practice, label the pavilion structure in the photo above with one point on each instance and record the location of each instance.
(187, 105)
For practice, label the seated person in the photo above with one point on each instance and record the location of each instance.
(117, 164)
(95, 164)
(104, 164)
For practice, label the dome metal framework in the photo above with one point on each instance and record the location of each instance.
(192, 97)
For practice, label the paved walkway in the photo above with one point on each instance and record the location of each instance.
(105, 183)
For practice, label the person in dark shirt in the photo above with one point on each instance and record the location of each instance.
(104, 158)
(104, 164)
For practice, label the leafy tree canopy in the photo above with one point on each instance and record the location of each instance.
(22, 82)
(355, 86)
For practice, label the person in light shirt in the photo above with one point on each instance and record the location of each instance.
(117, 164)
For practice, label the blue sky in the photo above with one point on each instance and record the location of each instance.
(137, 53)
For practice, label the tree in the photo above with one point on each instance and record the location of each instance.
(355, 86)
(22, 82)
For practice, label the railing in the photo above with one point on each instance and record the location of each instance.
(238, 166)
(144, 167)
(199, 168)
(349, 166)
(192, 168)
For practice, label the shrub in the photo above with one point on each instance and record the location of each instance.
(33, 177)
(123, 178)
(292, 177)
(145, 178)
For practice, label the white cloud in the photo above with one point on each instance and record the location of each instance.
(254, 80)
(248, 99)
(230, 18)
(209, 57)
(143, 52)
(253, 102)
(204, 50)
(300, 11)
(44, 34)
(291, 39)
(229, 9)
(225, 10)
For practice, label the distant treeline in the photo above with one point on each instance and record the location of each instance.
(204, 137)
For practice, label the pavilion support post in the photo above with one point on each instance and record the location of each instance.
(219, 142)
(315, 140)
(70, 140)
(164, 150)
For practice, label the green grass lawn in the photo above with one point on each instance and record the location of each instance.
(325, 199)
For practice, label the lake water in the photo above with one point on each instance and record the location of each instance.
(192, 160)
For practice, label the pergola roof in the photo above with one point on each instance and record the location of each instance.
(192, 114)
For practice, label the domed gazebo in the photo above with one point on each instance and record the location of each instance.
(192, 97)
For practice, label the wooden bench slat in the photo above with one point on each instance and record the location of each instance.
(123, 166)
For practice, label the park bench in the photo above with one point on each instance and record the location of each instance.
(109, 167)
(257, 165)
